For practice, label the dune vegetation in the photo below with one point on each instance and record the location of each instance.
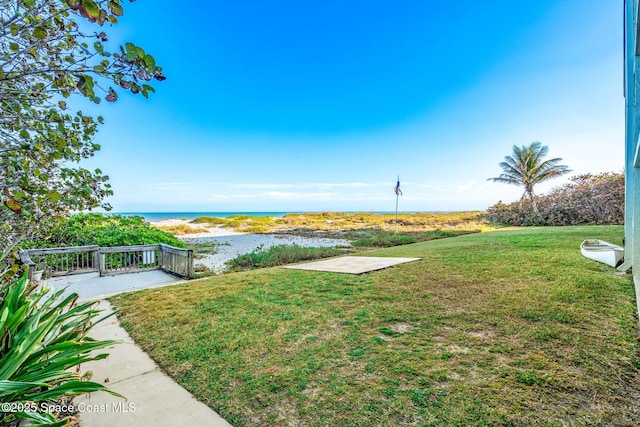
(340, 221)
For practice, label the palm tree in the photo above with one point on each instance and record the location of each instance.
(525, 167)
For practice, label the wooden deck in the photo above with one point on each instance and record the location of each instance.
(54, 262)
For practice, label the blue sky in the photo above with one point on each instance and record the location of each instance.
(319, 105)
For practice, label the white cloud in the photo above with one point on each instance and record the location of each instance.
(417, 196)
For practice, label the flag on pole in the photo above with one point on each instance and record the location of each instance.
(398, 191)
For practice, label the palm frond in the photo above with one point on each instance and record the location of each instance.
(526, 167)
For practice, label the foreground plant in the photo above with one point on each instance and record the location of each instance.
(43, 338)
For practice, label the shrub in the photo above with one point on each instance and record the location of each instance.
(209, 220)
(179, 230)
(592, 199)
(381, 238)
(210, 248)
(251, 224)
(43, 338)
(587, 199)
(385, 239)
(104, 230)
(257, 229)
(439, 234)
(280, 255)
(515, 214)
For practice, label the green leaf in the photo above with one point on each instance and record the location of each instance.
(130, 48)
(9, 387)
(103, 17)
(150, 62)
(85, 85)
(14, 47)
(16, 355)
(13, 205)
(148, 88)
(73, 387)
(40, 33)
(39, 419)
(91, 8)
(54, 196)
(98, 47)
(131, 52)
(115, 8)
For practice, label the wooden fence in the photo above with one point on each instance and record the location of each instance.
(109, 261)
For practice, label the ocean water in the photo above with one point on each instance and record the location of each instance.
(159, 216)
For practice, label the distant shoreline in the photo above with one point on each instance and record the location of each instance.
(162, 216)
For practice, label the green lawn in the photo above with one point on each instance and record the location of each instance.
(511, 327)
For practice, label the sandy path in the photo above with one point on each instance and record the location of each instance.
(232, 246)
(233, 243)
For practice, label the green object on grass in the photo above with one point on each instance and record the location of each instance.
(43, 338)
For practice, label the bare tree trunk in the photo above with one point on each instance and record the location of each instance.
(533, 202)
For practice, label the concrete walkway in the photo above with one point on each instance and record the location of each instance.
(153, 399)
(90, 286)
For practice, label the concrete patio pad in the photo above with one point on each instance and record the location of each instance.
(352, 264)
(92, 286)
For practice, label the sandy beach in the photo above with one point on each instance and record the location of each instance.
(204, 230)
(233, 243)
(243, 243)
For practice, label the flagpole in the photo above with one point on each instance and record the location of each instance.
(397, 196)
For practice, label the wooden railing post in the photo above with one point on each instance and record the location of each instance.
(101, 262)
(177, 261)
(190, 273)
(31, 266)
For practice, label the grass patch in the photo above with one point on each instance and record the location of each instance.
(512, 327)
(385, 239)
(209, 220)
(279, 255)
(179, 230)
(242, 223)
(209, 248)
(380, 238)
